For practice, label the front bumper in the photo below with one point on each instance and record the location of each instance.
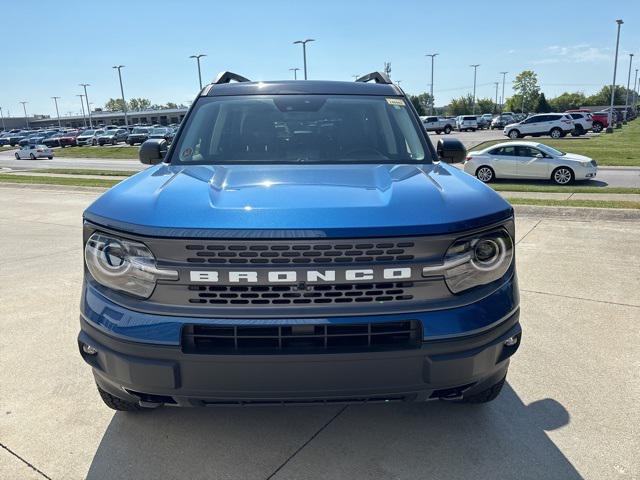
(442, 365)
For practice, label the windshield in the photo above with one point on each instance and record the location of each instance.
(300, 129)
(551, 150)
(88, 132)
(140, 130)
(159, 131)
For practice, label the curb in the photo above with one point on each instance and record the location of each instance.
(578, 213)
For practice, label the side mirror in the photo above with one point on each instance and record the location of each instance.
(153, 151)
(539, 155)
(451, 150)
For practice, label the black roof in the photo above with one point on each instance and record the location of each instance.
(300, 87)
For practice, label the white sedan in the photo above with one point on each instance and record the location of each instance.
(529, 160)
(34, 151)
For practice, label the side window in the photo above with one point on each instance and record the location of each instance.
(496, 151)
(524, 151)
(509, 151)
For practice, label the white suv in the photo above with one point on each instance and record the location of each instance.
(467, 122)
(583, 122)
(555, 125)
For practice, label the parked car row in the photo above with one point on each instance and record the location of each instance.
(107, 135)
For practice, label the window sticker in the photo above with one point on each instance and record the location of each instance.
(186, 152)
(395, 101)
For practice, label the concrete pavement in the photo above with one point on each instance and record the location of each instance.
(569, 410)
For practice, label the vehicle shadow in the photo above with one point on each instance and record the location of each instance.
(582, 183)
(505, 439)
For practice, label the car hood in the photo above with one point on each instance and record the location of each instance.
(298, 200)
(576, 158)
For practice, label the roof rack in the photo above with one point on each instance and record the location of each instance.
(226, 77)
(377, 77)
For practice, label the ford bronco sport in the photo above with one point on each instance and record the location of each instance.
(300, 242)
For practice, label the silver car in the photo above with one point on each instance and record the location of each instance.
(529, 160)
(33, 152)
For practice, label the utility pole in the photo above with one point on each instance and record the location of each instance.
(197, 57)
(55, 99)
(387, 69)
(295, 72)
(475, 69)
(496, 84)
(626, 100)
(124, 102)
(432, 55)
(4, 128)
(25, 113)
(84, 118)
(613, 85)
(502, 98)
(304, 52)
(635, 90)
(86, 98)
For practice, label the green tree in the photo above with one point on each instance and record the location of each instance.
(461, 106)
(114, 105)
(526, 87)
(603, 97)
(542, 105)
(171, 105)
(421, 103)
(567, 101)
(484, 105)
(138, 104)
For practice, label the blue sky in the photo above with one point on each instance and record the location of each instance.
(569, 44)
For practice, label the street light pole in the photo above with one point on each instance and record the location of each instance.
(86, 98)
(502, 98)
(613, 85)
(55, 99)
(84, 118)
(626, 100)
(475, 69)
(432, 55)
(4, 128)
(124, 102)
(295, 72)
(304, 52)
(496, 84)
(635, 91)
(197, 57)
(25, 112)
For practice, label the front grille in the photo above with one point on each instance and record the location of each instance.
(213, 339)
(298, 253)
(292, 295)
(311, 401)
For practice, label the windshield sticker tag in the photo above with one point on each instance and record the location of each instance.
(186, 153)
(395, 101)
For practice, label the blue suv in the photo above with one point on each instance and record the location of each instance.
(300, 242)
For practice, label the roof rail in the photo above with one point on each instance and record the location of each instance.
(226, 77)
(378, 77)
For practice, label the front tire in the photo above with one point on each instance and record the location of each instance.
(562, 176)
(555, 133)
(447, 130)
(597, 127)
(116, 403)
(485, 174)
(17, 156)
(487, 395)
(514, 134)
(93, 142)
(32, 156)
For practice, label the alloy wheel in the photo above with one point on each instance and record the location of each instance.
(562, 176)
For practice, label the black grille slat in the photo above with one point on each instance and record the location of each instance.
(283, 294)
(318, 253)
(213, 339)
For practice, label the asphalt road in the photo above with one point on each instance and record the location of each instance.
(569, 410)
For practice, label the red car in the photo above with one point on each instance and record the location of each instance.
(68, 139)
(600, 119)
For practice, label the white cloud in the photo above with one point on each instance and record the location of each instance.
(581, 53)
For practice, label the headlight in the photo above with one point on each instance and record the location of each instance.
(124, 265)
(475, 261)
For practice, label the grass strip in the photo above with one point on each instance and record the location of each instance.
(520, 187)
(575, 203)
(87, 171)
(118, 153)
(76, 182)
